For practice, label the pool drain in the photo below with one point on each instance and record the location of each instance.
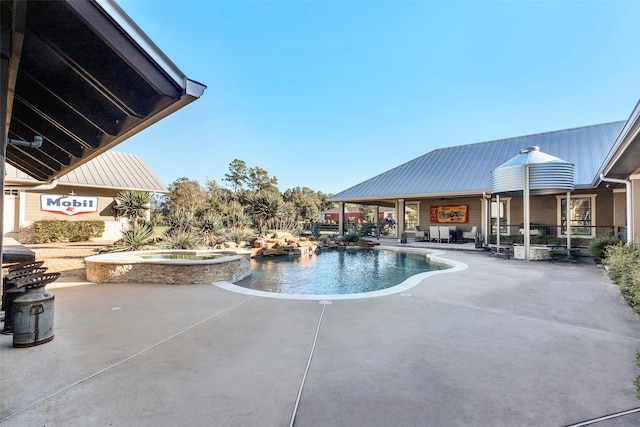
(325, 302)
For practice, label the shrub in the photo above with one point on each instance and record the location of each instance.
(598, 246)
(623, 262)
(352, 236)
(238, 235)
(637, 381)
(53, 230)
(316, 230)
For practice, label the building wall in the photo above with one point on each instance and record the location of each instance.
(474, 210)
(619, 208)
(543, 209)
(31, 211)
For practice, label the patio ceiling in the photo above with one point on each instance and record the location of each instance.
(622, 160)
(82, 75)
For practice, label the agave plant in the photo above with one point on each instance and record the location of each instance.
(180, 240)
(136, 236)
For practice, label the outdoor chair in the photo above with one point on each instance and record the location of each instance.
(470, 234)
(433, 234)
(443, 230)
(420, 236)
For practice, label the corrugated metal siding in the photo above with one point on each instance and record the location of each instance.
(467, 168)
(114, 170)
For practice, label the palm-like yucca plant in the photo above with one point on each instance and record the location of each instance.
(180, 221)
(264, 207)
(210, 226)
(133, 204)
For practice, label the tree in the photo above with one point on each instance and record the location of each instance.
(219, 198)
(186, 195)
(238, 175)
(369, 213)
(307, 202)
(259, 180)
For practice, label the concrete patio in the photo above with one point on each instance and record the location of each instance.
(501, 343)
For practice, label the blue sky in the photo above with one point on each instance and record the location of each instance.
(326, 94)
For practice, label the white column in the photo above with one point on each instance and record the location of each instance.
(527, 226)
(341, 218)
(568, 224)
(498, 223)
(400, 221)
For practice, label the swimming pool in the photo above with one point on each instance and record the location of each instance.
(336, 272)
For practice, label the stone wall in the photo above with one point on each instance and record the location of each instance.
(230, 269)
(536, 253)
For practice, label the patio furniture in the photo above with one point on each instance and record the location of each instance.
(433, 233)
(420, 234)
(470, 234)
(443, 231)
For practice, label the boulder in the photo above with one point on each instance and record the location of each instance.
(274, 251)
(282, 234)
(257, 252)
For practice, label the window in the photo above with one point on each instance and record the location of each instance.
(581, 215)
(505, 213)
(411, 216)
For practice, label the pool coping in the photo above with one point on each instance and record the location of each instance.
(135, 256)
(402, 287)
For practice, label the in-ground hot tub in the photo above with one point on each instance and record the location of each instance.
(168, 266)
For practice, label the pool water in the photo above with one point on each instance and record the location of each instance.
(336, 272)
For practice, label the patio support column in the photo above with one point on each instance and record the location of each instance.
(629, 202)
(341, 218)
(486, 226)
(400, 222)
(527, 219)
(568, 224)
(633, 229)
(498, 222)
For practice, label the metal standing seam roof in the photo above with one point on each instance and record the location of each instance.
(466, 169)
(113, 170)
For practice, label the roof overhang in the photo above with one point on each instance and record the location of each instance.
(389, 200)
(81, 74)
(622, 160)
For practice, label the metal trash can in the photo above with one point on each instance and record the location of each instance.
(11, 291)
(33, 311)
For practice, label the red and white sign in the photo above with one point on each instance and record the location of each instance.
(68, 205)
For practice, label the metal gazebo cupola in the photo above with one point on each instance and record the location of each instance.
(532, 172)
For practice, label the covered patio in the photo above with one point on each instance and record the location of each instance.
(474, 347)
(77, 78)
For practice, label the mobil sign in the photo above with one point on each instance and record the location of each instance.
(68, 205)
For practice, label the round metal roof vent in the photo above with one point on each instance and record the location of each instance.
(547, 174)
